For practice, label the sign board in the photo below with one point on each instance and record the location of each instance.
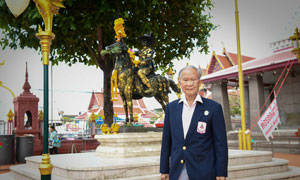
(270, 119)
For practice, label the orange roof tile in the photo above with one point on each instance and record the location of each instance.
(224, 61)
(234, 58)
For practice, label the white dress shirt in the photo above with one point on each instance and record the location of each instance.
(187, 114)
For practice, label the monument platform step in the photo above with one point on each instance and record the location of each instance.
(257, 169)
(293, 173)
(23, 172)
(242, 164)
(147, 177)
(89, 166)
(125, 145)
(237, 157)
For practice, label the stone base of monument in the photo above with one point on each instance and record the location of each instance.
(125, 145)
(244, 165)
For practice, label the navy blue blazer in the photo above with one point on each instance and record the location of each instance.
(204, 151)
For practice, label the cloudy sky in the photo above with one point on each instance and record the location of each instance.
(261, 22)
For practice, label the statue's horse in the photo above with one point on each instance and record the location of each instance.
(129, 84)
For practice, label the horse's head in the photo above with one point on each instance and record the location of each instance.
(114, 49)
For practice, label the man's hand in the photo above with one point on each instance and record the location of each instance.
(220, 178)
(164, 176)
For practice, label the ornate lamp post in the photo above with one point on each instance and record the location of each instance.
(295, 42)
(46, 9)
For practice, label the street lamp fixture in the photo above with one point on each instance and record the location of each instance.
(295, 41)
(46, 9)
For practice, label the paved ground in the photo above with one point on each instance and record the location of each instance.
(4, 169)
(294, 160)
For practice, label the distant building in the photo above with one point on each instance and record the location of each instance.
(217, 63)
(260, 76)
(96, 105)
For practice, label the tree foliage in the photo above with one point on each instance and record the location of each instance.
(84, 28)
(234, 103)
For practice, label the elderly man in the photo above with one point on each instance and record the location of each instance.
(194, 143)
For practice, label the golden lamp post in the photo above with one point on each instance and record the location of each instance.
(295, 41)
(46, 9)
(242, 134)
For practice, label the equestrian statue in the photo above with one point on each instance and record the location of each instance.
(136, 78)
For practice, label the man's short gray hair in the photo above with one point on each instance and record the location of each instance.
(191, 67)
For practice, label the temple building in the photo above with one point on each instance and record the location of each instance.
(260, 77)
(96, 105)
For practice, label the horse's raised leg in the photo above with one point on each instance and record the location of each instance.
(130, 111)
(159, 98)
(124, 105)
(128, 96)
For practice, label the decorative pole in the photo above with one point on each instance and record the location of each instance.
(241, 80)
(10, 116)
(41, 122)
(295, 41)
(46, 9)
(92, 119)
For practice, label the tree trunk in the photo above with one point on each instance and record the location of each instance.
(108, 104)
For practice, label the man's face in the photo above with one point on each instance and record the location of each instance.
(190, 82)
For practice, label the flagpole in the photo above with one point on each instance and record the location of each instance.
(241, 80)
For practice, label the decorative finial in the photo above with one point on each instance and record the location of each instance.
(10, 115)
(213, 48)
(26, 85)
(224, 49)
(41, 115)
(170, 71)
(26, 74)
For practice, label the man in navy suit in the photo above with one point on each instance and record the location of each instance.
(194, 142)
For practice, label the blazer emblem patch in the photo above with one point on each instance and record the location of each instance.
(201, 128)
(206, 113)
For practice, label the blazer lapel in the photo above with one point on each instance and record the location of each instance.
(198, 113)
(178, 120)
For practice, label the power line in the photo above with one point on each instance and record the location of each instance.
(65, 91)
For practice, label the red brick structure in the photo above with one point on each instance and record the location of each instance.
(26, 109)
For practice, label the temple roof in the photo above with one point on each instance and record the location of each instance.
(224, 61)
(96, 105)
(274, 61)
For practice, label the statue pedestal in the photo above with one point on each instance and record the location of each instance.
(126, 145)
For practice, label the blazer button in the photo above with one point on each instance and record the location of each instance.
(184, 148)
(182, 161)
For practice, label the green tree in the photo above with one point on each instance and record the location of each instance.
(84, 28)
(234, 103)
